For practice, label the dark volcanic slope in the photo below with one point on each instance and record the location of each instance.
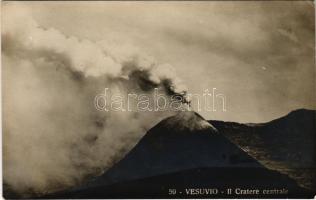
(201, 178)
(286, 144)
(184, 141)
(184, 151)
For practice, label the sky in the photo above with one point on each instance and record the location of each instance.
(260, 55)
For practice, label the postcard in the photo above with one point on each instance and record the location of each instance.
(158, 99)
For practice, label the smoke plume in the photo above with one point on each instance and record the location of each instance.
(53, 135)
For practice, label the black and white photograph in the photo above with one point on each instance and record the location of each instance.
(158, 99)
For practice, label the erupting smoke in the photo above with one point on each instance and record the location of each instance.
(53, 135)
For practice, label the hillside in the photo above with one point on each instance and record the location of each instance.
(184, 151)
(286, 144)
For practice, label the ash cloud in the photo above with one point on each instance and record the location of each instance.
(53, 137)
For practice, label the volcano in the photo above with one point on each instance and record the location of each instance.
(185, 152)
(180, 142)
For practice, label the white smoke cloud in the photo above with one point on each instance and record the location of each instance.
(53, 135)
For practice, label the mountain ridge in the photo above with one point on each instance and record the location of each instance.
(174, 148)
(215, 148)
(286, 144)
(166, 148)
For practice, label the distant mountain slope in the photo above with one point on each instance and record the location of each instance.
(286, 144)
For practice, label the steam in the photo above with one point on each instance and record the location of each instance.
(189, 120)
(53, 135)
